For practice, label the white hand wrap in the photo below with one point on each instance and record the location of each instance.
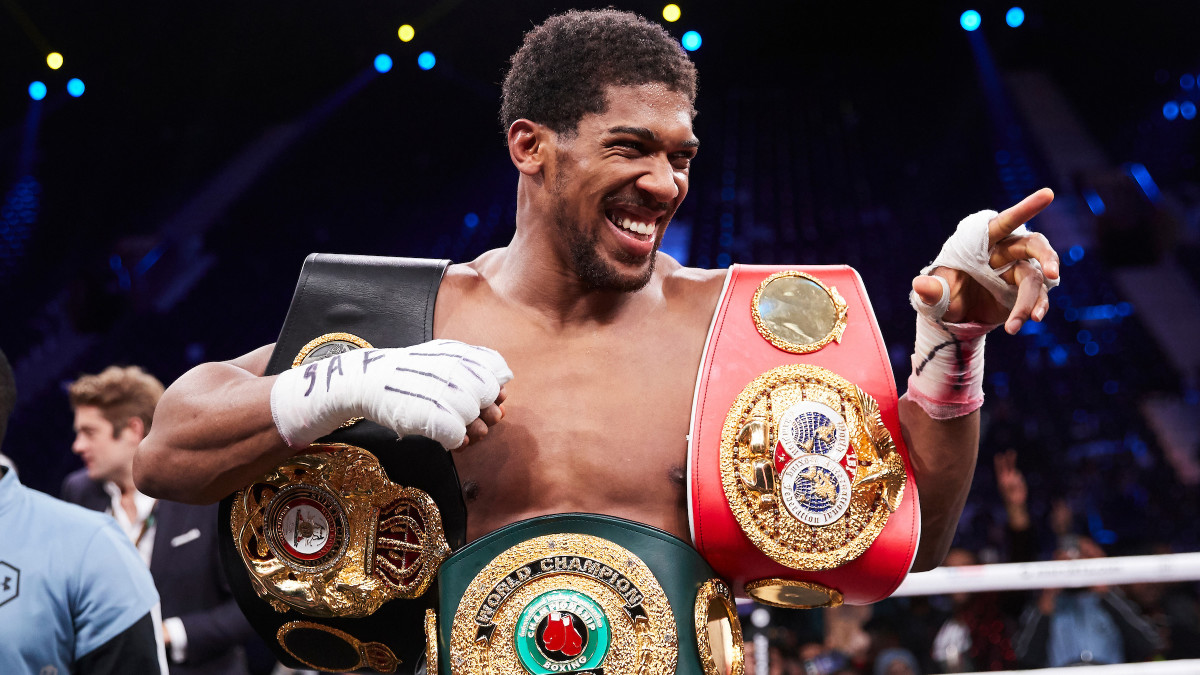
(947, 375)
(947, 367)
(968, 250)
(433, 389)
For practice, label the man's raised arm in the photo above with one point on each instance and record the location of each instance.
(991, 272)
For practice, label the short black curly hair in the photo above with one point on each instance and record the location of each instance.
(561, 70)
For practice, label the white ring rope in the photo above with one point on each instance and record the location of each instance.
(1054, 574)
(1180, 667)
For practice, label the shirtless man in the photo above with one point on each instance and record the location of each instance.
(602, 332)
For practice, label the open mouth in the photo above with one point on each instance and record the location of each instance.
(638, 227)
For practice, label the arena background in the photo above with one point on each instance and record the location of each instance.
(161, 217)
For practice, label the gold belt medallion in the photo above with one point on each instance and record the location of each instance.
(718, 631)
(564, 603)
(328, 534)
(810, 471)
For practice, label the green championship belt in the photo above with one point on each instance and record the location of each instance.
(582, 593)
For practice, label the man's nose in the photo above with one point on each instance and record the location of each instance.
(659, 180)
(78, 446)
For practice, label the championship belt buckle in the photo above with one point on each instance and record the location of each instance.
(329, 535)
(564, 603)
(583, 593)
(330, 559)
(798, 485)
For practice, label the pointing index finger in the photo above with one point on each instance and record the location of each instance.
(1014, 216)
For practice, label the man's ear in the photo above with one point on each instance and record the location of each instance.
(135, 426)
(529, 145)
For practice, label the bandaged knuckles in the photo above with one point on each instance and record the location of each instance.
(434, 389)
(947, 364)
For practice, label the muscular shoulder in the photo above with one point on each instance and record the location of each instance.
(693, 288)
(462, 282)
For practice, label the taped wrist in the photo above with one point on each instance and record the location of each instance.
(947, 367)
(433, 389)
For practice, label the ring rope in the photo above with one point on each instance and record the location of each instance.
(1180, 667)
(1054, 574)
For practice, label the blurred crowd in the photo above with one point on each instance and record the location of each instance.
(990, 631)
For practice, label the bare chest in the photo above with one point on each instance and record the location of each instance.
(595, 421)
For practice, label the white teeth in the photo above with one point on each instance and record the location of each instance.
(634, 226)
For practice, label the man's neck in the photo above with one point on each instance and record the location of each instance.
(532, 275)
(126, 486)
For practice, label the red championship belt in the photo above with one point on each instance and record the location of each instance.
(801, 488)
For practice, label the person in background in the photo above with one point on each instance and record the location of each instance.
(202, 626)
(978, 633)
(1073, 626)
(74, 598)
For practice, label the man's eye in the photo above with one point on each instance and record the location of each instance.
(681, 161)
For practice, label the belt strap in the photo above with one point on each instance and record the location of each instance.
(385, 301)
(344, 302)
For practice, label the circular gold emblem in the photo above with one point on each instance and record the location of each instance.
(791, 594)
(328, 534)
(824, 504)
(564, 603)
(327, 345)
(797, 312)
(307, 527)
(718, 631)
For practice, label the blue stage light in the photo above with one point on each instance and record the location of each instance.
(1187, 80)
(970, 20)
(471, 220)
(1058, 355)
(1170, 110)
(691, 40)
(426, 60)
(1187, 110)
(383, 63)
(1144, 181)
(1094, 202)
(1015, 17)
(1075, 253)
(75, 87)
(37, 90)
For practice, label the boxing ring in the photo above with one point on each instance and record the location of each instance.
(1078, 573)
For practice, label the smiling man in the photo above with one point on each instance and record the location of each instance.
(601, 336)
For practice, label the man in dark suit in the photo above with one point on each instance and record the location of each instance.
(202, 626)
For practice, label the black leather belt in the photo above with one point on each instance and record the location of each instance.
(332, 556)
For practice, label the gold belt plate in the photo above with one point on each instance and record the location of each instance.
(808, 468)
(564, 603)
(328, 534)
